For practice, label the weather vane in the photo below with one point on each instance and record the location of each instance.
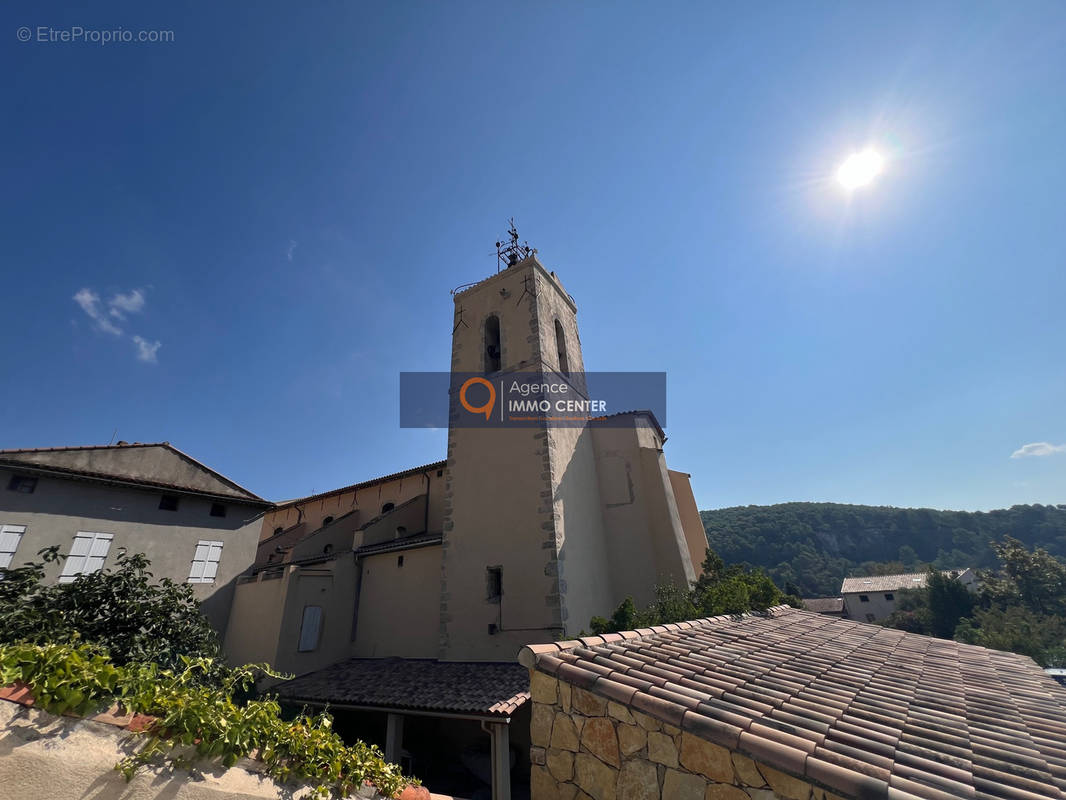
(512, 252)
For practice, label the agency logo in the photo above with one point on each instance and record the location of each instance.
(487, 407)
(529, 399)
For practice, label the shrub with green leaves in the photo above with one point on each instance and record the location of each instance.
(123, 609)
(197, 719)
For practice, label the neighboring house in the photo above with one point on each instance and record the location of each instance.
(790, 704)
(830, 606)
(195, 525)
(521, 534)
(874, 597)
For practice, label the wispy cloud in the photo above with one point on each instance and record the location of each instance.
(122, 304)
(1038, 449)
(107, 316)
(146, 350)
(293, 244)
(90, 304)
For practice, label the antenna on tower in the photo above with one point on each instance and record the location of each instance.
(509, 254)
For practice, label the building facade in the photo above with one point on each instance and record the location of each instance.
(195, 525)
(520, 535)
(873, 598)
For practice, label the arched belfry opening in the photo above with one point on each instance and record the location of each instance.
(560, 345)
(492, 344)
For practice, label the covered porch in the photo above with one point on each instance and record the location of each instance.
(461, 727)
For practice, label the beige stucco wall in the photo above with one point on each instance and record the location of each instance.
(58, 509)
(691, 523)
(645, 539)
(587, 746)
(45, 757)
(367, 500)
(255, 620)
(399, 606)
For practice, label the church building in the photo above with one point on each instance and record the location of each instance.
(404, 600)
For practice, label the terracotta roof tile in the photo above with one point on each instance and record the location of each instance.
(861, 710)
(475, 688)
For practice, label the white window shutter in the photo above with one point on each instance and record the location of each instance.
(88, 552)
(10, 536)
(205, 560)
(310, 629)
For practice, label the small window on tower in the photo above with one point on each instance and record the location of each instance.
(385, 509)
(327, 521)
(493, 584)
(560, 344)
(492, 344)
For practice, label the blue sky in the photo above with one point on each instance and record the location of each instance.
(278, 202)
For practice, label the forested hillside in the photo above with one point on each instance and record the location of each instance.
(810, 547)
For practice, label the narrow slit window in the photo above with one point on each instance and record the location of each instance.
(560, 344)
(492, 344)
(493, 584)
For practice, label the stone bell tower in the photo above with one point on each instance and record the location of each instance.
(524, 551)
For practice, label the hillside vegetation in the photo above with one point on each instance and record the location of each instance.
(808, 548)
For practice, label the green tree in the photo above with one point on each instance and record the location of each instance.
(121, 609)
(1019, 630)
(949, 601)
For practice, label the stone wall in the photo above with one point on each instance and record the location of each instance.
(585, 746)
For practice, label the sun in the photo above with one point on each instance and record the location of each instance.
(860, 169)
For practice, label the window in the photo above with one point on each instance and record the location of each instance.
(869, 617)
(310, 628)
(401, 531)
(168, 502)
(10, 536)
(385, 509)
(399, 561)
(493, 584)
(20, 483)
(205, 562)
(889, 596)
(327, 521)
(864, 598)
(87, 555)
(278, 530)
(218, 510)
(440, 473)
(560, 345)
(492, 344)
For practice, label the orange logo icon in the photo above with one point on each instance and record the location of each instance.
(485, 409)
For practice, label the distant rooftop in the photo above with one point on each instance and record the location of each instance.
(890, 583)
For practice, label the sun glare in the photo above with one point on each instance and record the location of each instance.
(860, 169)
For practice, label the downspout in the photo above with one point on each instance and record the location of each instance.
(500, 755)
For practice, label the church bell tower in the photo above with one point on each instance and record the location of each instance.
(524, 552)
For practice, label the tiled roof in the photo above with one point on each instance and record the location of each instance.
(365, 484)
(108, 463)
(824, 605)
(482, 689)
(884, 583)
(403, 543)
(861, 710)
